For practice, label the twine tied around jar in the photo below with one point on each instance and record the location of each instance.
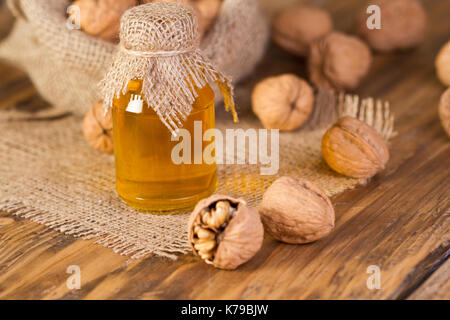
(159, 44)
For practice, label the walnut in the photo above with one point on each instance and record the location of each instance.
(284, 102)
(296, 27)
(444, 111)
(101, 18)
(403, 25)
(443, 64)
(296, 211)
(205, 11)
(353, 148)
(208, 9)
(225, 232)
(338, 61)
(98, 127)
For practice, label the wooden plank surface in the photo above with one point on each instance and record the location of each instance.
(437, 286)
(399, 221)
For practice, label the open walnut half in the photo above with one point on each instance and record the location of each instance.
(225, 232)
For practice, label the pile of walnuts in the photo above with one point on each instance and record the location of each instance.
(225, 232)
(335, 60)
(101, 18)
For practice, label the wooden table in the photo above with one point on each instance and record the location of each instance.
(398, 222)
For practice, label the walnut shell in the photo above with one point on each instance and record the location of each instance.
(444, 111)
(403, 25)
(355, 149)
(296, 211)
(101, 18)
(338, 61)
(225, 232)
(443, 64)
(296, 27)
(98, 128)
(284, 102)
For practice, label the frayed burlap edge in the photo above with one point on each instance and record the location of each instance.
(85, 231)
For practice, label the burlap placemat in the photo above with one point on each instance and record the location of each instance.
(49, 174)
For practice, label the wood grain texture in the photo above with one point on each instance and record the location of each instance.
(435, 287)
(399, 221)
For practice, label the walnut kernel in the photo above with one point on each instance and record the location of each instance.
(225, 232)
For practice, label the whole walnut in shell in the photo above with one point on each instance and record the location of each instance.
(403, 25)
(355, 149)
(98, 128)
(443, 64)
(444, 111)
(284, 102)
(296, 27)
(101, 18)
(225, 232)
(338, 61)
(296, 211)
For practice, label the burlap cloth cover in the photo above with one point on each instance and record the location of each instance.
(66, 65)
(159, 44)
(50, 175)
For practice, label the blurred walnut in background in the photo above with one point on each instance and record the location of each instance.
(296, 27)
(444, 111)
(101, 18)
(205, 11)
(6, 18)
(339, 61)
(403, 25)
(442, 64)
(98, 128)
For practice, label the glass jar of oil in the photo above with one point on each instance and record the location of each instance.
(157, 85)
(147, 177)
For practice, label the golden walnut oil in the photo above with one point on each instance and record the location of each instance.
(146, 177)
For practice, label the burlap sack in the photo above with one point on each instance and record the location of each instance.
(66, 65)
